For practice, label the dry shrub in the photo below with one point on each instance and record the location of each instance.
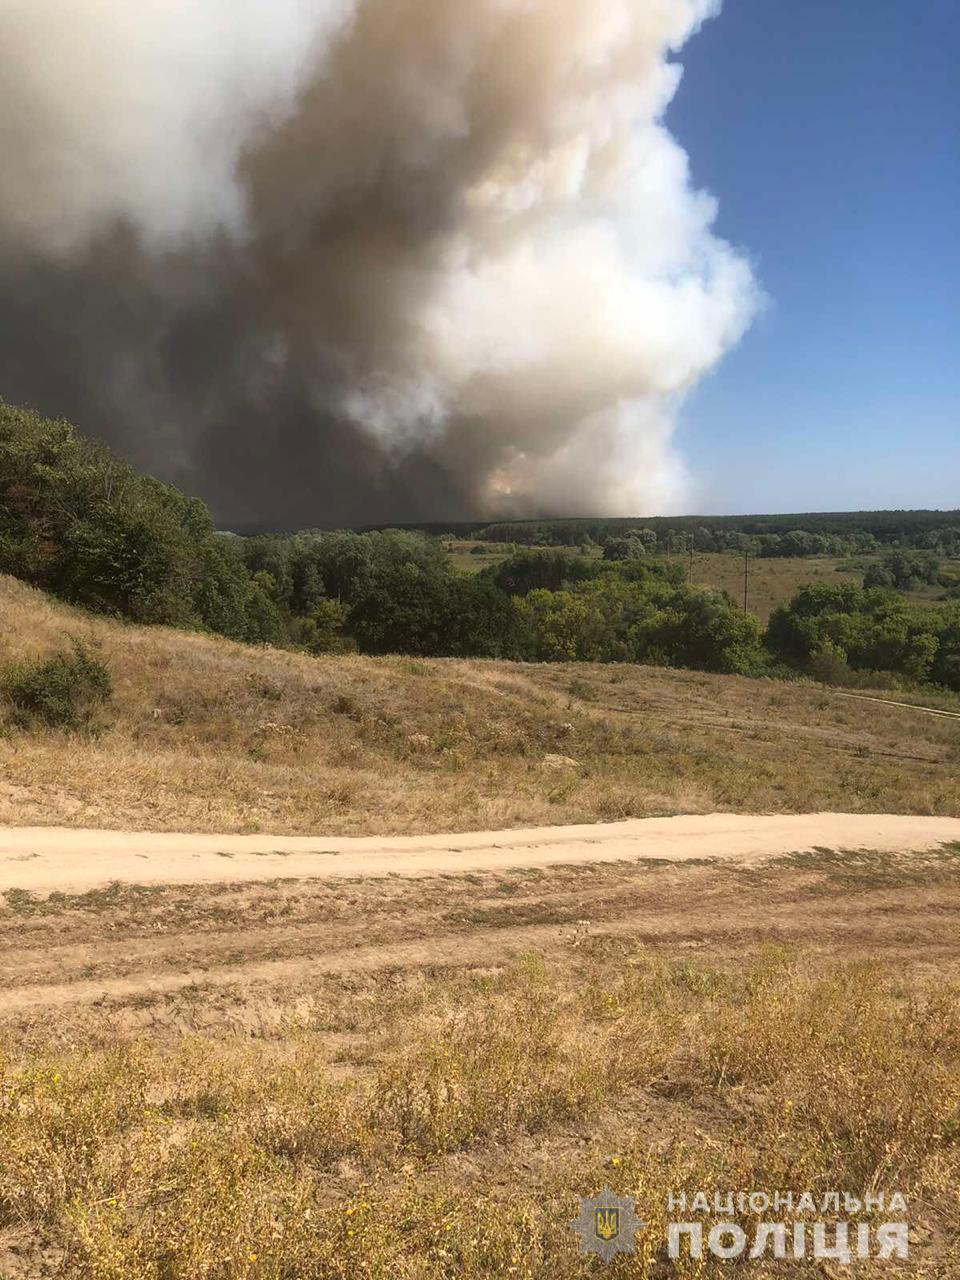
(496, 1067)
(61, 1125)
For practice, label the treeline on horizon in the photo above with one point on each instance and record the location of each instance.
(84, 525)
(797, 534)
(841, 533)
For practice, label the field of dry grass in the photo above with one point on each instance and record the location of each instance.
(463, 557)
(417, 1079)
(771, 582)
(774, 581)
(206, 735)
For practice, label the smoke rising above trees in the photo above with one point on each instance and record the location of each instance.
(353, 262)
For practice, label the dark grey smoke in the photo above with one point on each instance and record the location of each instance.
(334, 263)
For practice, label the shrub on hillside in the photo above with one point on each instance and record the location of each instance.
(61, 691)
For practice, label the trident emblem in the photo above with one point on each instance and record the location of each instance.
(607, 1225)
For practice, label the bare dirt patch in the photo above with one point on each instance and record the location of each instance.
(97, 863)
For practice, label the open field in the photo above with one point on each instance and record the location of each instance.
(772, 581)
(207, 735)
(361, 1080)
(463, 555)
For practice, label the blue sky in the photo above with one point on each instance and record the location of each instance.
(829, 131)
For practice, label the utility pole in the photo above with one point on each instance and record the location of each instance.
(746, 577)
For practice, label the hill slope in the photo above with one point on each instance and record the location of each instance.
(205, 734)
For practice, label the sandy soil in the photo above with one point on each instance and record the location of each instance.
(129, 932)
(43, 860)
(167, 958)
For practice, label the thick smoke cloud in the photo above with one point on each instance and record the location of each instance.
(331, 261)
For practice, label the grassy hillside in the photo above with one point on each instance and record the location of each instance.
(206, 734)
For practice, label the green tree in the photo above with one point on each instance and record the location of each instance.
(86, 526)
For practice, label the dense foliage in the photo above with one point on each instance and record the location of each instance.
(832, 630)
(904, 570)
(552, 569)
(86, 526)
(613, 620)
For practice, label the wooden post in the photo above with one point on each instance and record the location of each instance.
(746, 577)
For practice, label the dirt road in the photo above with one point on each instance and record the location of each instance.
(161, 933)
(43, 860)
(890, 702)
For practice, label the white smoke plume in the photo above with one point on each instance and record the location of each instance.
(340, 260)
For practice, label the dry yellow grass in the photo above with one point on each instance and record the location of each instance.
(773, 581)
(451, 1148)
(417, 1079)
(208, 735)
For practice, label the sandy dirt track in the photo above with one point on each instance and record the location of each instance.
(43, 860)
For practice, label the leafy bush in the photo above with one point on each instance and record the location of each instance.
(533, 570)
(322, 632)
(555, 570)
(406, 608)
(830, 628)
(61, 691)
(611, 619)
(905, 570)
(623, 549)
(829, 665)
